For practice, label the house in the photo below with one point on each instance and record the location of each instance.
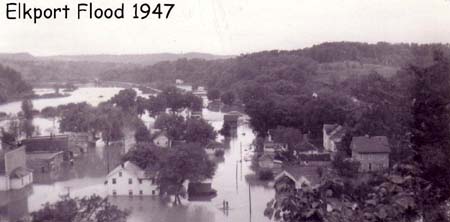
(161, 139)
(128, 179)
(45, 162)
(268, 162)
(294, 178)
(332, 136)
(314, 159)
(197, 114)
(50, 144)
(371, 152)
(270, 147)
(14, 174)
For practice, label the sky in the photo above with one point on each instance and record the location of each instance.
(227, 26)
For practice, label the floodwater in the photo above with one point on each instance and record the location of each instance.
(234, 180)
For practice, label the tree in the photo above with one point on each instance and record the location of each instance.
(184, 162)
(199, 131)
(431, 121)
(111, 122)
(193, 102)
(125, 99)
(287, 135)
(156, 105)
(228, 98)
(213, 94)
(27, 109)
(174, 125)
(142, 134)
(76, 117)
(146, 156)
(93, 208)
(173, 98)
(141, 105)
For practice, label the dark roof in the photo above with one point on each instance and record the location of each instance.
(335, 131)
(366, 144)
(329, 127)
(230, 117)
(315, 157)
(47, 143)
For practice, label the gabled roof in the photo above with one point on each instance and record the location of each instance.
(130, 168)
(301, 175)
(334, 131)
(366, 144)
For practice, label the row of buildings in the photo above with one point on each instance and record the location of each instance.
(372, 152)
(43, 154)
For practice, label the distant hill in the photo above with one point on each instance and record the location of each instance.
(143, 59)
(38, 69)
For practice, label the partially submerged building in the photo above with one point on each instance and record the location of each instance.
(14, 174)
(129, 179)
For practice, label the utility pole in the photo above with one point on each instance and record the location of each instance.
(250, 202)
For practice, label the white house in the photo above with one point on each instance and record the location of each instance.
(161, 139)
(332, 136)
(130, 180)
(14, 174)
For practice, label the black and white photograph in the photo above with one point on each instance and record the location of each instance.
(224, 111)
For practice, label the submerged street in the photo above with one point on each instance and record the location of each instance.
(234, 179)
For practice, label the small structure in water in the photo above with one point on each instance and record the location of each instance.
(201, 191)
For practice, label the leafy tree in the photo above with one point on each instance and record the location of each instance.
(76, 117)
(49, 112)
(199, 131)
(27, 109)
(156, 105)
(142, 134)
(173, 98)
(228, 98)
(125, 99)
(213, 94)
(111, 122)
(93, 208)
(141, 105)
(287, 135)
(193, 102)
(27, 127)
(174, 125)
(431, 123)
(184, 162)
(146, 156)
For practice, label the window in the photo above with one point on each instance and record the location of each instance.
(114, 181)
(130, 193)
(141, 192)
(153, 192)
(120, 174)
(130, 181)
(140, 181)
(114, 193)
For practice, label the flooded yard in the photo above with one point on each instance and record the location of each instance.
(233, 180)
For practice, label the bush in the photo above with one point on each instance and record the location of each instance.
(346, 167)
(266, 175)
